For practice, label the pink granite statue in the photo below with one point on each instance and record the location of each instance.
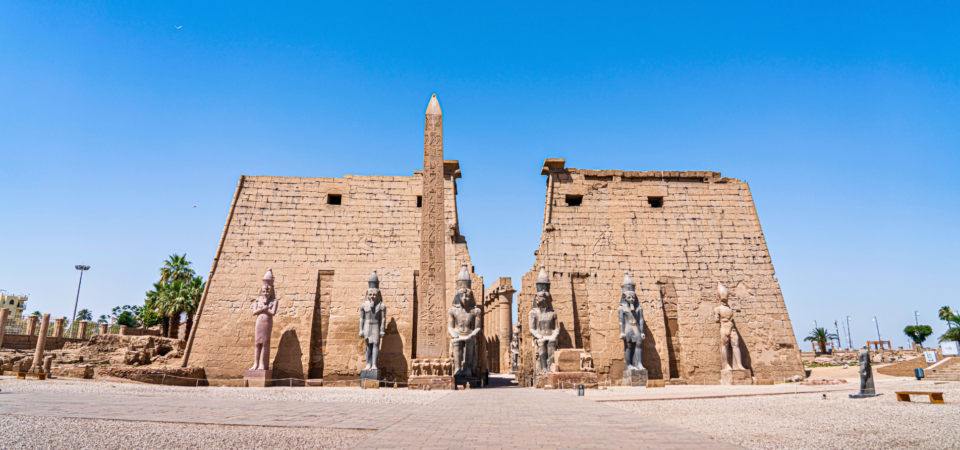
(265, 309)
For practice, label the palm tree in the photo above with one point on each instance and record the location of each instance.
(175, 299)
(102, 319)
(84, 314)
(176, 268)
(154, 301)
(196, 286)
(945, 313)
(953, 333)
(821, 336)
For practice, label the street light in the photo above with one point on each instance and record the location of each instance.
(917, 313)
(81, 268)
(837, 330)
(849, 334)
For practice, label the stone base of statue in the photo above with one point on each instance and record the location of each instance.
(258, 378)
(567, 380)
(733, 377)
(635, 377)
(431, 383)
(370, 379)
(867, 392)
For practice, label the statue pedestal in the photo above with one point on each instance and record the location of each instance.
(430, 383)
(370, 379)
(734, 377)
(635, 377)
(566, 380)
(258, 378)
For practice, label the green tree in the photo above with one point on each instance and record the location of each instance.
(36, 313)
(945, 313)
(177, 268)
(174, 300)
(918, 333)
(84, 314)
(821, 336)
(102, 319)
(953, 333)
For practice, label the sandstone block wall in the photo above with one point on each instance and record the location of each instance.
(321, 254)
(676, 233)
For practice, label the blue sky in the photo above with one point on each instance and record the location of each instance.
(122, 137)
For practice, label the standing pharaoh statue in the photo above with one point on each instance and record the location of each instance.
(729, 337)
(732, 372)
(543, 323)
(631, 325)
(373, 321)
(463, 324)
(867, 388)
(265, 309)
(515, 349)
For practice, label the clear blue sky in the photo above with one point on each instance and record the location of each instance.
(122, 137)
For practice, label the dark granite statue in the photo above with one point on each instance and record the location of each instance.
(866, 375)
(631, 325)
(543, 324)
(463, 324)
(373, 321)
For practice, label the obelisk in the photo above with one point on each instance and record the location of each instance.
(431, 338)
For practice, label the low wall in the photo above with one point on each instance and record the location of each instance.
(124, 331)
(25, 342)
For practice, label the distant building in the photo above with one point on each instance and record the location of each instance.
(15, 303)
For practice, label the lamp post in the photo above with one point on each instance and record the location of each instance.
(837, 330)
(81, 268)
(879, 338)
(849, 334)
(917, 313)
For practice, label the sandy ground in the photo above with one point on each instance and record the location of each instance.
(810, 421)
(33, 432)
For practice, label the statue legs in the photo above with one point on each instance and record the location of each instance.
(457, 351)
(261, 357)
(546, 354)
(464, 357)
(632, 355)
(373, 353)
(730, 347)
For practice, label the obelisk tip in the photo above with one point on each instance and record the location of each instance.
(434, 106)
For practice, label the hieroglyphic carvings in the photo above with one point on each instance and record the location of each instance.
(431, 340)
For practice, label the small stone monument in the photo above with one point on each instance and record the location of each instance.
(630, 314)
(733, 372)
(463, 324)
(867, 389)
(543, 325)
(373, 322)
(265, 308)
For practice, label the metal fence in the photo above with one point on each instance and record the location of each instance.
(16, 325)
(21, 325)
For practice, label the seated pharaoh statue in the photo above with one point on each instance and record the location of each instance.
(543, 323)
(463, 324)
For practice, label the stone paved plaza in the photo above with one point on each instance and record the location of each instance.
(98, 414)
(506, 417)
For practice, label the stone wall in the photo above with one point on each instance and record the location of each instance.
(676, 233)
(321, 254)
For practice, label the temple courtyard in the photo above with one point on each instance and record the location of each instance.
(98, 414)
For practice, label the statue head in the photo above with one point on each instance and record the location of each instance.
(464, 295)
(722, 294)
(266, 289)
(543, 281)
(373, 289)
(628, 296)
